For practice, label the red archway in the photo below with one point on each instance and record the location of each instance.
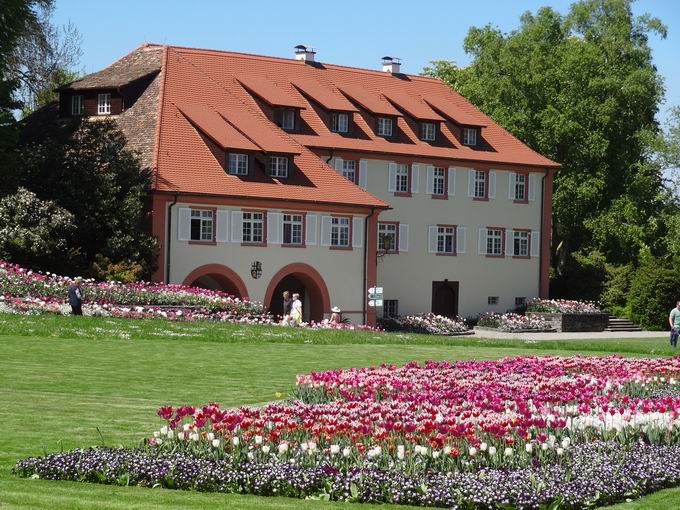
(315, 289)
(218, 277)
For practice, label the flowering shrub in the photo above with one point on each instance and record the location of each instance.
(326, 324)
(513, 322)
(562, 306)
(26, 291)
(427, 323)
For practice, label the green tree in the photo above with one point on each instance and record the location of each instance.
(654, 290)
(582, 90)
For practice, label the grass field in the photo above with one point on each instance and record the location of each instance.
(79, 381)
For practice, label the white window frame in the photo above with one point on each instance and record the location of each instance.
(443, 233)
(340, 122)
(439, 181)
(104, 103)
(494, 242)
(402, 179)
(294, 226)
(385, 126)
(521, 239)
(392, 230)
(469, 136)
(428, 131)
(340, 231)
(237, 163)
(80, 103)
(252, 227)
(349, 170)
(288, 118)
(206, 224)
(480, 188)
(523, 186)
(278, 166)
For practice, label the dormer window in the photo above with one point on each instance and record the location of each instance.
(77, 105)
(278, 166)
(428, 131)
(384, 126)
(340, 122)
(104, 104)
(237, 164)
(287, 118)
(469, 136)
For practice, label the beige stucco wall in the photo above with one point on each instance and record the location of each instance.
(408, 276)
(342, 270)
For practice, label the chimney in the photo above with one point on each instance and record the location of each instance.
(391, 65)
(304, 53)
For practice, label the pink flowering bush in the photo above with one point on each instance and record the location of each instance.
(511, 322)
(426, 323)
(562, 306)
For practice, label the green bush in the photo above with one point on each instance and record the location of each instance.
(654, 290)
(616, 287)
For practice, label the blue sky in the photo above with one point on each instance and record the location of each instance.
(355, 33)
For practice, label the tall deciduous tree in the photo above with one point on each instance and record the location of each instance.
(582, 90)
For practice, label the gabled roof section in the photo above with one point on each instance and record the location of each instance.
(456, 112)
(263, 135)
(268, 91)
(415, 107)
(216, 127)
(369, 100)
(324, 96)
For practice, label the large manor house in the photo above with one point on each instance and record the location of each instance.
(274, 173)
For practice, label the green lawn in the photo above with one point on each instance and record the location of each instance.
(67, 382)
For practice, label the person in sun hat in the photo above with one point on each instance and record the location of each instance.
(75, 296)
(335, 316)
(674, 321)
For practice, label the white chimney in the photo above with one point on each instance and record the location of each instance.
(304, 53)
(391, 65)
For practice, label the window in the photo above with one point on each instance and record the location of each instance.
(402, 184)
(494, 241)
(253, 227)
(480, 184)
(387, 237)
(288, 118)
(340, 231)
(201, 225)
(77, 105)
(278, 166)
(469, 136)
(492, 300)
(340, 122)
(104, 104)
(349, 170)
(445, 239)
(238, 164)
(428, 131)
(384, 126)
(520, 187)
(292, 229)
(439, 182)
(520, 243)
(520, 301)
(390, 308)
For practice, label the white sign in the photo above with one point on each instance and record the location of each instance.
(375, 302)
(375, 290)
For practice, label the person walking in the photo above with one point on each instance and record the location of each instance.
(674, 321)
(75, 296)
(287, 304)
(296, 310)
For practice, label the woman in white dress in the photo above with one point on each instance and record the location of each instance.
(296, 310)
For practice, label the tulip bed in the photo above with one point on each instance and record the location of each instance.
(524, 432)
(562, 306)
(427, 323)
(513, 322)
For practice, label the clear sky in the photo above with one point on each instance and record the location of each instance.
(349, 32)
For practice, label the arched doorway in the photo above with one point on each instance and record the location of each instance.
(306, 281)
(445, 298)
(217, 277)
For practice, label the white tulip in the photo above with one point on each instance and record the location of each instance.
(483, 447)
(171, 434)
(435, 454)
(266, 448)
(156, 434)
(560, 451)
(544, 446)
(258, 440)
(346, 451)
(210, 436)
(159, 441)
(235, 440)
(492, 450)
(186, 427)
(508, 452)
(472, 451)
(180, 435)
(194, 437)
(283, 448)
(216, 443)
(529, 448)
(335, 449)
(164, 430)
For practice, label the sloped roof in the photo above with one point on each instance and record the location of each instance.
(216, 127)
(416, 108)
(327, 98)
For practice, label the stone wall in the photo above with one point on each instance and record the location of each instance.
(574, 322)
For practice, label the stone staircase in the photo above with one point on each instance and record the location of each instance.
(616, 324)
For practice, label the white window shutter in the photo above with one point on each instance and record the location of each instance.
(509, 242)
(471, 182)
(533, 185)
(325, 230)
(452, 181)
(184, 224)
(310, 229)
(403, 237)
(338, 165)
(512, 178)
(429, 185)
(535, 243)
(461, 240)
(222, 226)
(415, 178)
(392, 184)
(357, 232)
(236, 227)
(492, 185)
(274, 227)
(432, 238)
(363, 173)
(481, 244)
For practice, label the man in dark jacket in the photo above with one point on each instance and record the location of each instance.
(75, 296)
(287, 303)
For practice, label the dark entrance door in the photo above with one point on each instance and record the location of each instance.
(445, 298)
(293, 285)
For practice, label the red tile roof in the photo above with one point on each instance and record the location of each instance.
(370, 100)
(416, 108)
(213, 125)
(270, 93)
(324, 96)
